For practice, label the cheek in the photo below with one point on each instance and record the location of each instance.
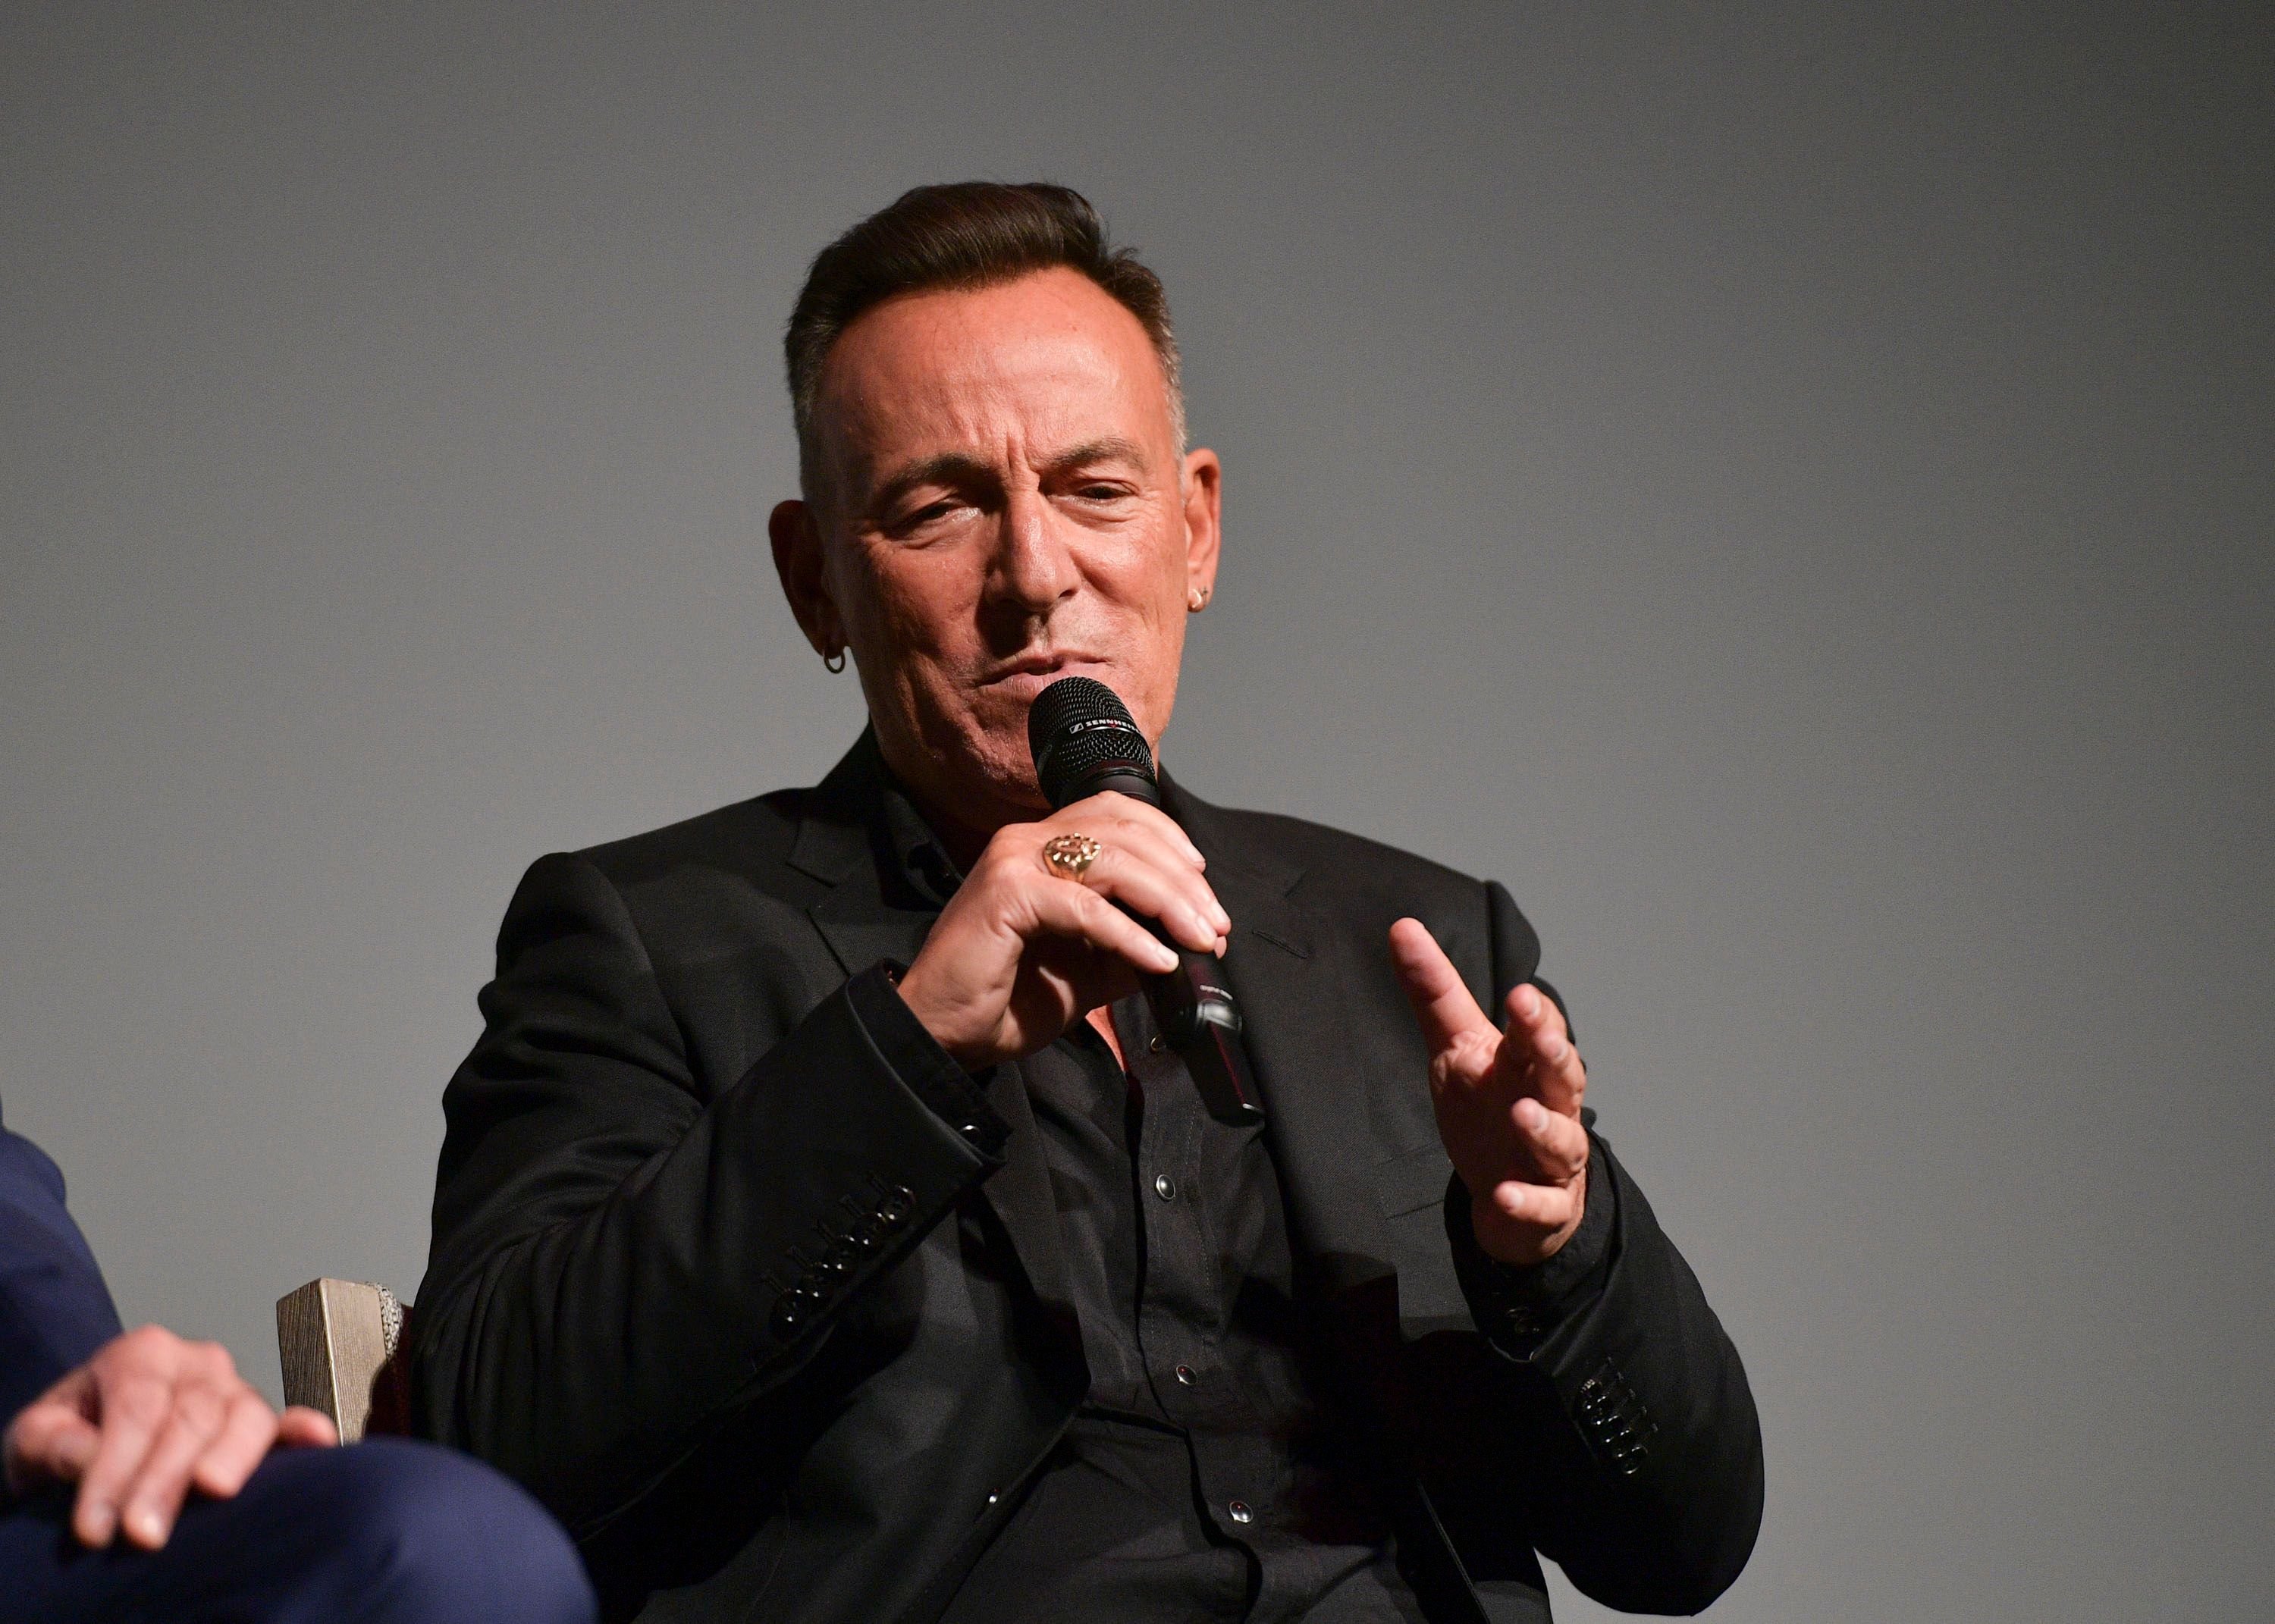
(1157, 651)
(1146, 575)
(911, 605)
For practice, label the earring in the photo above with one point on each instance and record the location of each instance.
(834, 663)
(1196, 600)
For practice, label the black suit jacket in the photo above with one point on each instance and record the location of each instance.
(778, 1339)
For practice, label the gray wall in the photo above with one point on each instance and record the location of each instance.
(1789, 493)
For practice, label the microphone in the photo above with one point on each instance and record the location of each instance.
(1084, 741)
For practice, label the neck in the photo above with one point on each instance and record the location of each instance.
(964, 836)
(965, 840)
(963, 820)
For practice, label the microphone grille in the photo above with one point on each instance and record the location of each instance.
(1078, 730)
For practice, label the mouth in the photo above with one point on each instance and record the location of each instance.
(1029, 674)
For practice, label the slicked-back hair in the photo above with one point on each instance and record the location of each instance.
(967, 235)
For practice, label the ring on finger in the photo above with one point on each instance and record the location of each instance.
(1071, 856)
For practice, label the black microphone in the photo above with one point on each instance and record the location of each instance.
(1084, 743)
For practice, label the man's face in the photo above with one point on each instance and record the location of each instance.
(1003, 502)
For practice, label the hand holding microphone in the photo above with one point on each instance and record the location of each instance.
(1030, 944)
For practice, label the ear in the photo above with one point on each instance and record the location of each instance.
(1204, 503)
(795, 534)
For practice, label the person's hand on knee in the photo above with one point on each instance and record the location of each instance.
(146, 1419)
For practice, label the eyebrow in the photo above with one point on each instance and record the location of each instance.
(947, 468)
(1113, 448)
(961, 468)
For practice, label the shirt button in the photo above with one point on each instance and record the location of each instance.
(1240, 1512)
(1165, 1186)
(1185, 1375)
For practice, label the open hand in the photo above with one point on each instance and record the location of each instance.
(139, 1424)
(1507, 1100)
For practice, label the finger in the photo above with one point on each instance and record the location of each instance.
(136, 1404)
(154, 1497)
(229, 1458)
(1139, 881)
(1161, 843)
(302, 1428)
(1153, 841)
(1557, 1143)
(50, 1441)
(1066, 909)
(1113, 806)
(1442, 999)
(1540, 1043)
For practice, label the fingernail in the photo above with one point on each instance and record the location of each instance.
(1530, 1113)
(148, 1525)
(99, 1525)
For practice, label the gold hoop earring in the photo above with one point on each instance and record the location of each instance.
(1196, 601)
(834, 663)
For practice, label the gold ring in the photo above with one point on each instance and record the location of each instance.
(1071, 856)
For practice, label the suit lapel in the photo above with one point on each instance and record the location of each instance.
(1021, 1197)
(1352, 1133)
(1289, 971)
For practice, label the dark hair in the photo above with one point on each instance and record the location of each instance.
(972, 234)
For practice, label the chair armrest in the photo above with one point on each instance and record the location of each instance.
(341, 1345)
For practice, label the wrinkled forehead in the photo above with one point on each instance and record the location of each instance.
(1007, 373)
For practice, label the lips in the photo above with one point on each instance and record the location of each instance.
(1029, 674)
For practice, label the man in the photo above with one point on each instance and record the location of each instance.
(140, 1482)
(821, 1229)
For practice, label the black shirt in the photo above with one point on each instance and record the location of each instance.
(1207, 1473)
(1202, 1477)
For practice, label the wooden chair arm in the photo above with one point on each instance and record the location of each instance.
(343, 1351)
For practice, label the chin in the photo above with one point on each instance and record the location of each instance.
(976, 766)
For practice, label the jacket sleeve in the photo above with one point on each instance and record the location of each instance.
(55, 1310)
(619, 1264)
(1630, 1410)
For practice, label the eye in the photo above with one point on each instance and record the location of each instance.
(928, 514)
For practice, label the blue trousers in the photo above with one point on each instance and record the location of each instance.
(385, 1531)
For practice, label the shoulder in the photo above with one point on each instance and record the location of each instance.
(1335, 864)
(791, 843)
(688, 886)
(750, 837)
(28, 1175)
(1334, 871)
(1360, 885)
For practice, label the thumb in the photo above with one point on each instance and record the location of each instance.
(302, 1428)
(51, 1442)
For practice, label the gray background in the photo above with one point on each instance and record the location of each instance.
(1786, 492)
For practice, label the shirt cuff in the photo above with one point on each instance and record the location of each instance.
(929, 1072)
(1517, 1305)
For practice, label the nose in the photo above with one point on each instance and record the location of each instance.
(1034, 566)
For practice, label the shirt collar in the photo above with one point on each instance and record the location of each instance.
(915, 853)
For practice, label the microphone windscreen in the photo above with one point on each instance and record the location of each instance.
(1084, 740)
